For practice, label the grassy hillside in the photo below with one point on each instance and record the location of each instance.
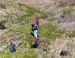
(19, 54)
(18, 22)
(22, 29)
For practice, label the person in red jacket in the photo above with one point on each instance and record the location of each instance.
(36, 21)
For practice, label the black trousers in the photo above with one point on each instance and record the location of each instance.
(34, 46)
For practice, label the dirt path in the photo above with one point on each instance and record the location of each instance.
(37, 51)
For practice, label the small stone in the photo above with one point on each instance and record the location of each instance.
(1, 49)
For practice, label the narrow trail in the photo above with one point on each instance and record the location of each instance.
(39, 55)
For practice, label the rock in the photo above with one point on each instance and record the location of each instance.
(45, 50)
(1, 49)
(25, 49)
(2, 24)
(64, 53)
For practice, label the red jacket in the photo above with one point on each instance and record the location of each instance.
(36, 21)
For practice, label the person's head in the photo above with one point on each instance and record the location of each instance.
(36, 17)
(11, 43)
(14, 42)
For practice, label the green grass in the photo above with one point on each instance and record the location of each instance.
(26, 30)
(49, 31)
(69, 10)
(9, 17)
(46, 30)
(31, 12)
(19, 54)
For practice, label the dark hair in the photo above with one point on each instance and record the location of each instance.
(32, 25)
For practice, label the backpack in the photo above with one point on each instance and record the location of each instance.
(14, 46)
(35, 27)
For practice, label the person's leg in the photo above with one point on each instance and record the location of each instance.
(14, 50)
(11, 50)
(31, 46)
(34, 46)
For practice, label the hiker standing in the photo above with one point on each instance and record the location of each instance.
(12, 47)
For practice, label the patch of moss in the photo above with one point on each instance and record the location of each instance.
(70, 34)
